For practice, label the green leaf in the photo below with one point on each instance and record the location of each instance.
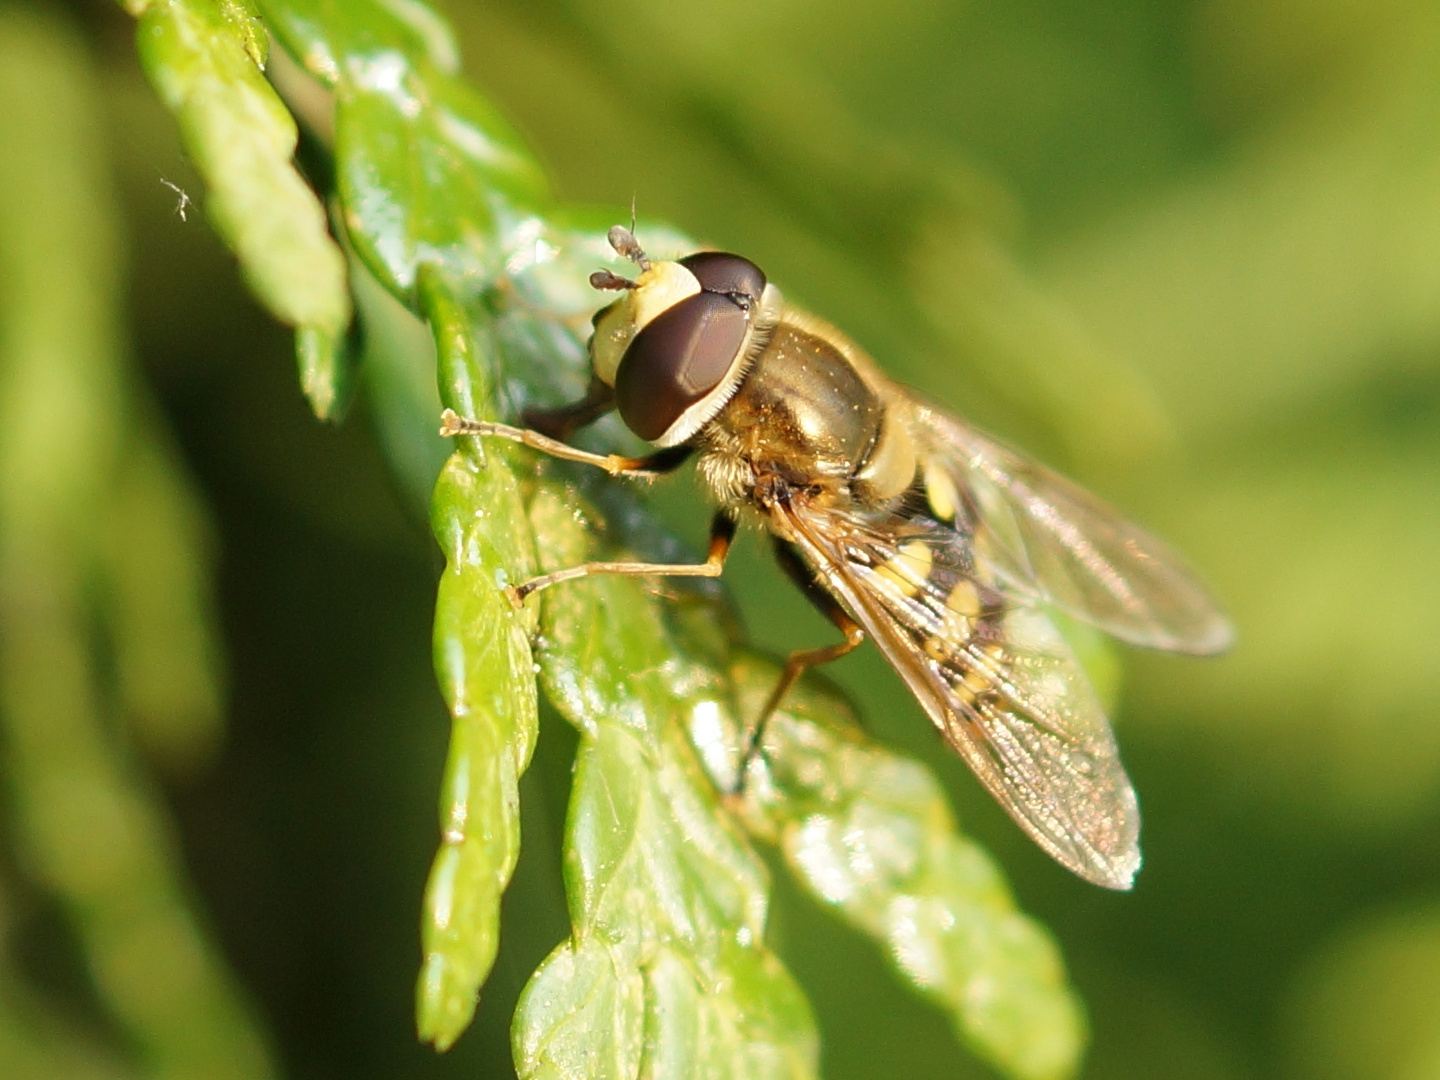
(36, 1046)
(154, 550)
(870, 833)
(486, 672)
(427, 174)
(667, 973)
(90, 495)
(327, 370)
(398, 369)
(204, 62)
(329, 37)
(428, 171)
(465, 350)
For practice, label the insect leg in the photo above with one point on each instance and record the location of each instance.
(563, 422)
(797, 662)
(722, 533)
(452, 423)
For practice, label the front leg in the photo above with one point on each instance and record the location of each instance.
(563, 422)
(657, 464)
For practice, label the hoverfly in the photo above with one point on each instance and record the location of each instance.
(901, 523)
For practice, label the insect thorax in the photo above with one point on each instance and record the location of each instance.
(807, 416)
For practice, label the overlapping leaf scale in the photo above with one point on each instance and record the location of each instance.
(205, 60)
(870, 833)
(487, 675)
(437, 196)
(428, 177)
(666, 973)
(327, 35)
(483, 662)
(428, 171)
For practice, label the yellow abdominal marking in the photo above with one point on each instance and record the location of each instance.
(964, 600)
(976, 674)
(940, 491)
(891, 467)
(962, 607)
(962, 694)
(909, 568)
(975, 680)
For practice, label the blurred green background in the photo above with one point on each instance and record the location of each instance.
(1188, 252)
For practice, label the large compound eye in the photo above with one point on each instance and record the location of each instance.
(728, 275)
(679, 357)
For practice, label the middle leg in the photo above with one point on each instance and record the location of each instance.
(722, 534)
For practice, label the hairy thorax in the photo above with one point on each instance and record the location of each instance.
(809, 420)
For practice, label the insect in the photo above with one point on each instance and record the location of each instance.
(900, 522)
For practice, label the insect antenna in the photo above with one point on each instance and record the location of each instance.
(624, 243)
(605, 279)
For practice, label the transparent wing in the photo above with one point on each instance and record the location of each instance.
(1045, 535)
(995, 676)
